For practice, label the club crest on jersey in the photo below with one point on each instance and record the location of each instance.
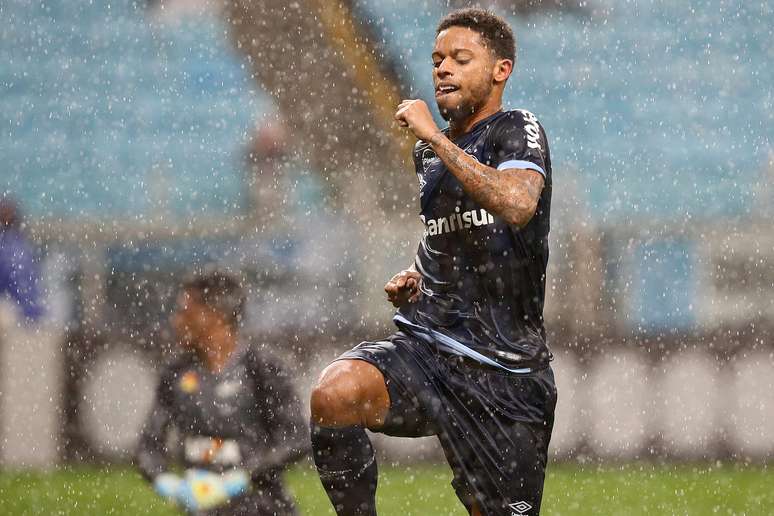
(189, 382)
(428, 159)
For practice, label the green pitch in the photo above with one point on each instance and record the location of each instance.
(424, 490)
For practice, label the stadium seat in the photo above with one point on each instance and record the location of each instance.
(108, 114)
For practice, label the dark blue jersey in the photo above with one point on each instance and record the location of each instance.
(247, 416)
(483, 280)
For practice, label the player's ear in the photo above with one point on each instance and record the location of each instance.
(502, 70)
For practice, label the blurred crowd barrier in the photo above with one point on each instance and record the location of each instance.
(658, 385)
(689, 403)
(31, 377)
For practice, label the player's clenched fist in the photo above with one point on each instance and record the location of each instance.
(403, 288)
(415, 115)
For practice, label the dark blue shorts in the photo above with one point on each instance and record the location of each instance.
(494, 426)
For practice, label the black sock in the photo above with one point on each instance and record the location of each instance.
(347, 467)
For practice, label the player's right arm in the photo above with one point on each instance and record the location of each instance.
(151, 453)
(511, 192)
(280, 413)
(403, 287)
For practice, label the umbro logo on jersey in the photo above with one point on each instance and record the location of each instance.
(519, 508)
(428, 159)
(422, 184)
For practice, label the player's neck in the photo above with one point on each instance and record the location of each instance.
(459, 127)
(221, 344)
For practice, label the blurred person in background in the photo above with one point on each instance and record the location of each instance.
(19, 273)
(469, 362)
(235, 412)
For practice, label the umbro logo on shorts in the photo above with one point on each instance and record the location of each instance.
(520, 508)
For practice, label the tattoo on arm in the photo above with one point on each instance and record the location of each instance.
(512, 194)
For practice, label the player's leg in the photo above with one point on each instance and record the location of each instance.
(350, 393)
(383, 386)
(498, 461)
(263, 500)
(500, 472)
(349, 397)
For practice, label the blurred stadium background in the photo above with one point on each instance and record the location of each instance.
(143, 138)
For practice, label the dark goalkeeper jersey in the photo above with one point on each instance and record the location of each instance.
(247, 416)
(483, 280)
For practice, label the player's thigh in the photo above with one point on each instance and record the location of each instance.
(498, 467)
(350, 392)
(410, 374)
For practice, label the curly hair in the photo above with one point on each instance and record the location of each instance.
(494, 30)
(220, 291)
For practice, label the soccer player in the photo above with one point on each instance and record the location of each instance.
(236, 415)
(469, 362)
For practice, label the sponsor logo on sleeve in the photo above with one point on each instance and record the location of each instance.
(533, 130)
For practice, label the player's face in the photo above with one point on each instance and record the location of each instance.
(191, 320)
(463, 71)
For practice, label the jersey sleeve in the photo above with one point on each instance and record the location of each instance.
(519, 141)
(151, 453)
(419, 148)
(280, 413)
(418, 155)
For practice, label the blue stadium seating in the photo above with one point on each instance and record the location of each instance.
(108, 114)
(664, 286)
(665, 109)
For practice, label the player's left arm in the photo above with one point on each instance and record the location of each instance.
(511, 193)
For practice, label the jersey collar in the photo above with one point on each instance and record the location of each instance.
(475, 127)
(462, 141)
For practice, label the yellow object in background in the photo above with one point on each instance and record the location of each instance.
(189, 382)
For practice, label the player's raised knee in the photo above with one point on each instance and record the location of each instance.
(336, 396)
(349, 392)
